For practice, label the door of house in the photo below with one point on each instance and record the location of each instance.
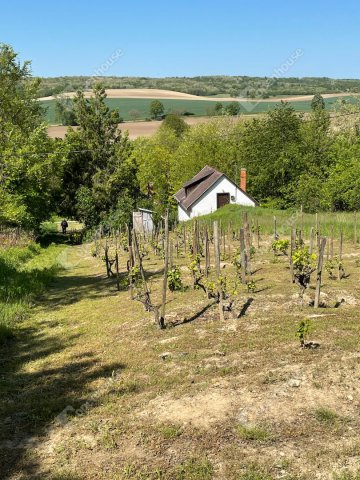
(223, 199)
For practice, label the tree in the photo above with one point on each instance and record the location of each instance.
(218, 108)
(232, 108)
(175, 123)
(159, 174)
(134, 114)
(270, 149)
(317, 103)
(342, 187)
(18, 93)
(64, 111)
(156, 109)
(98, 170)
(30, 162)
(214, 143)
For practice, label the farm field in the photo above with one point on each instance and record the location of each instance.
(151, 93)
(179, 102)
(139, 129)
(104, 394)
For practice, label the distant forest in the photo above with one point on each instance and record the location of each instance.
(239, 86)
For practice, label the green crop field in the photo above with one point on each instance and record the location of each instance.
(195, 107)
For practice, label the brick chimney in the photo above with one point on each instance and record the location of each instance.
(243, 179)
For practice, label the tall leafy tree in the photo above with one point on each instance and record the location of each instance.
(98, 169)
(342, 188)
(30, 162)
(18, 92)
(175, 123)
(155, 158)
(318, 102)
(270, 149)
(156, 109)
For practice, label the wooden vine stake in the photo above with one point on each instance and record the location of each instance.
(217, 268)
(275, 229)
(117, 261)
(243, 256)
(292, 250)
(247, 239)
(171, 256)
(355, 231)
(319, 271)
(318, 238)
(166, 268)
(106, 248)
(146, 300)
(340, 270)
(184, 238)
(130, 264)
(332, 243)
(311, 247)
(207, 253)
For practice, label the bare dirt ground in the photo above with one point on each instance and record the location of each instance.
(137, 129)
(170, 95)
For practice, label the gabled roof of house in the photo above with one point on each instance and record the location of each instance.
(205, 179)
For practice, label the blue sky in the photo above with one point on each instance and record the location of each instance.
(185, 38)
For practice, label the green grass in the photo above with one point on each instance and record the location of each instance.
(348, 476)
(170, 431)
(194, 469)
(286, 220)
(326, 415)
(24, 273)
(256, 434)
(255, 473)
(195, 107)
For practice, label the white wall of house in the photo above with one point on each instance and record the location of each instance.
(207, 203)
(183, 214)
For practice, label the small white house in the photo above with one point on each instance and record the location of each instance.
(143, 221)
(208, 191)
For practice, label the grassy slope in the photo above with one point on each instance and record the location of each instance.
(347, 222)
(24, 272)
(197, 107)
(221, 406)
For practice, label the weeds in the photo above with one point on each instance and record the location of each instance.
(326, 415)
(256, 434)
(194, 469)
(170, 431)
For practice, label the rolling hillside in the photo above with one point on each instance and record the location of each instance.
(213, 85)
(134, 104)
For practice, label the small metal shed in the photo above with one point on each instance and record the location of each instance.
(143, 221)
